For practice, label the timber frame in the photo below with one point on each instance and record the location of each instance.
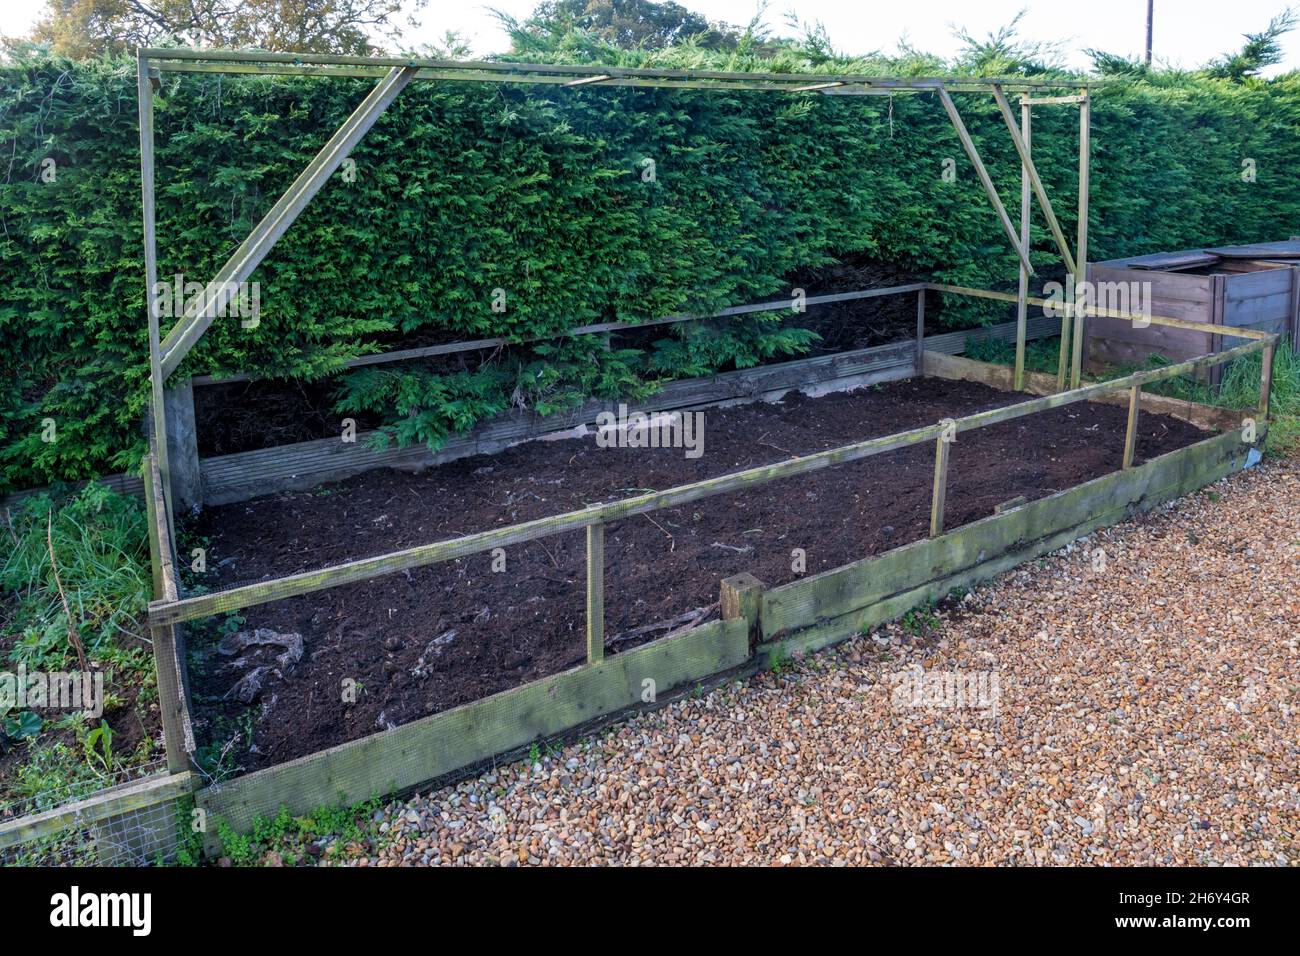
(757, 624)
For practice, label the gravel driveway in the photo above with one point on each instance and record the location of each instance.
(1145, 713)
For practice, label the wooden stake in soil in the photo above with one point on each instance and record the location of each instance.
(940, 485)
(1130, 436)
(595, 593)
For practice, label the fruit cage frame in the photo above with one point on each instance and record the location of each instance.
(757, 624)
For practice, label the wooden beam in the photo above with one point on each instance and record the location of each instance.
(1265, 381)
(157, 417)
(973, 153)
(595, 593)
(600, 328)
(1022, 290)
(1029, 170)
(1130, 432)
(134, 796)
(170, 58)
(307, 582)
(413, 754)
(939, 493)
(740, 597)
(186, 483)
(838, 603)
(920, 331)
(1226, 331)
(1081, 253)
(199, 316)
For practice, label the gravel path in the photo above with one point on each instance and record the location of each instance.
(1147, 714)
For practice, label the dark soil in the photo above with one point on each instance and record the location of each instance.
(526, 623)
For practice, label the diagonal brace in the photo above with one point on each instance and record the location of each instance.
(969, 145)
(1025, 160)
(198, 317)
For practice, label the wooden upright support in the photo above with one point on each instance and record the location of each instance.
(1130, 435)
(742, 597)
(183, 447)
(1022, 306)
(1081, 252)
(595, 593)
(940, 494)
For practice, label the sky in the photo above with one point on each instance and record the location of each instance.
(1188, 33)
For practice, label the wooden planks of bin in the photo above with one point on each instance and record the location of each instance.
(1254, 287)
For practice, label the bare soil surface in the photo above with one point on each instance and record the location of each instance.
(426, 640)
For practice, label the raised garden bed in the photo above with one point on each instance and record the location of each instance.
(500, 630)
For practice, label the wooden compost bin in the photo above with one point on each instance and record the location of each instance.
(1254, 287)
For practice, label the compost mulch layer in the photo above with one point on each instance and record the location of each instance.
(423, 641)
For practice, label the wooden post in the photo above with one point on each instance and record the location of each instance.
(167, 655)
(1081, 254)
(183, 447)
(1265, 381)
(158, 412)
(1022, 307)
(742, 597)
(1130, 436)
(920, 333)
(940, 486)
(595, 593)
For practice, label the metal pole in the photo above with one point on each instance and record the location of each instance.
(1150, 17)
(1022, 307)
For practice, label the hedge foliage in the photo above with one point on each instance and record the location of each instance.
(463, 189)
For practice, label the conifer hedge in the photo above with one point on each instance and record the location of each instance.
(543, 192)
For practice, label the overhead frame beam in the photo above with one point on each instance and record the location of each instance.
(181, 59)
(971, 151)
(260, 241)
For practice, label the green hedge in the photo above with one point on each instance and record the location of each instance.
(465, 188)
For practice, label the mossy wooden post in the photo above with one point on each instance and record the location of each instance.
(1265, 380)
(183, 446)
(166, 654)
(920, 332)
(940, 494)
(1081, 252)
(1022, 307)
(742, 597)
(1130, 435)
(595, 593)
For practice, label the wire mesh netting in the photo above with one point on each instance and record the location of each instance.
(76, 826)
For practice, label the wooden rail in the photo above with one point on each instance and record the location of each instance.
(187, 609)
